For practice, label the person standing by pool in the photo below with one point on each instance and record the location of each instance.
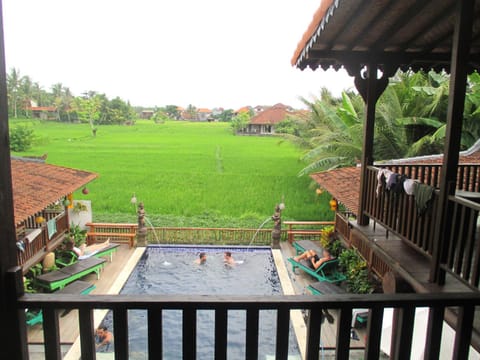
(103, 339)
(202, 258)
(228, 258)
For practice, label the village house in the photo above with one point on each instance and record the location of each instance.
(264, 122)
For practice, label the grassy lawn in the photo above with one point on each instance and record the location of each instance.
(187, 174)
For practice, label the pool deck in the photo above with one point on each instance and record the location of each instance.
(116, 273)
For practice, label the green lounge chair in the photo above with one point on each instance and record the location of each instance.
(66, 258)
(359, 316)
(58, 279)
(33, 317)
(303, 245)
(78, 287)
(328, 271)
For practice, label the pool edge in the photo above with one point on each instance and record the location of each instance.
(296, 317)
(75, 353)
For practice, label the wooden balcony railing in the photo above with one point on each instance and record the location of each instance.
(404, 305)
(463, 256)
(398, 213)
(468, 175)
(35, 238)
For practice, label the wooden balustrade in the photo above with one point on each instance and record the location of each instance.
(253, 306)
(311, 230)
(468, 175)
(463, 252)
(36, 242)
(398, 213)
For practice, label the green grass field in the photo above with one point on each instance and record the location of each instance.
(187, 174)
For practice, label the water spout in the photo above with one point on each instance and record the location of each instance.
(165, 262)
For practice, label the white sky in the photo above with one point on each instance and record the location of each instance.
(208, 53)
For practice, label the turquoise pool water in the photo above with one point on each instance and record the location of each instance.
(172, 270)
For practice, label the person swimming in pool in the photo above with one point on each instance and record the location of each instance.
(103, 339)
(313, 260)
(202, 258)
(228, 258)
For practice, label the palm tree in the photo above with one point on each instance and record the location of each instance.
(334, 136)
(14, 83)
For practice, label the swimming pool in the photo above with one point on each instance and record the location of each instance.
(172, 270)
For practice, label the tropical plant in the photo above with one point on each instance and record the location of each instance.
(77, 234)
(21, 138)
(355, 267)
(239, 122)
(334, 136)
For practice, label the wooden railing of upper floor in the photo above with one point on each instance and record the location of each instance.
(35, 237)
(468, 175)
(404, 304)
(398, 213)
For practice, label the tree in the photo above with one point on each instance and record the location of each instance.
(14, 83)
(88, 109)
(21, 138)
(239, 122)
(171, 111)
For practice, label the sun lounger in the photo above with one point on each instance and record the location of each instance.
(303, 245)
(33, 317)
(77, 287)
(328, 271)
(323, 287)
(69, 257)
(359, 316)
(58, 279)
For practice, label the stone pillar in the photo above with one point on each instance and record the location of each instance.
(277, 227)
(142, 229)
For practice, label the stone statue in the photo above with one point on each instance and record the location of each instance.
(142, 229)
(277, 227)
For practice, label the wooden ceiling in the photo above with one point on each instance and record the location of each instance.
(406, 34)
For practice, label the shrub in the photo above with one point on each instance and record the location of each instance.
(77, 234)
(329, 241)
(358, 279)
(21, 138)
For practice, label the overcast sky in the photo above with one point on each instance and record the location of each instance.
(209, 53)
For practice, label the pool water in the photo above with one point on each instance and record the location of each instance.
(172, 270)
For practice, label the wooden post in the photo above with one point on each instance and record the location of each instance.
(13, 330)
(458, 82)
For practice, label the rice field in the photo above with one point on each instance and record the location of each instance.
(187, 174)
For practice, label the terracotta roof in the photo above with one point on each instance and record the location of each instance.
(204, 110)
(272, 115)
(344, 183)
(37, 185)
(243, 109)
(407, 34)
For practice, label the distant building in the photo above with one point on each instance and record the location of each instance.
(203, 114)
(264, 122)
(44, 112)
(146, 114)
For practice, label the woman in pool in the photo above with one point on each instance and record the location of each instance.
(313, 260)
